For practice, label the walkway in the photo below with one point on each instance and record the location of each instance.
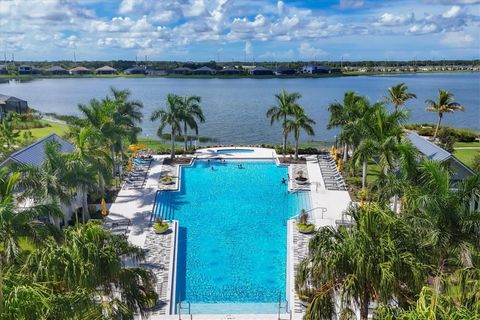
(335, 201)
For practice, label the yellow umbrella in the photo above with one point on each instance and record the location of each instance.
(335, 156)
(340, 165)
(129, 165)
(332, 150)
(104, 208)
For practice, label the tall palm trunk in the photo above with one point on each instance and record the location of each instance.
(345, 152)
(440, 115)
(296, 146)
(172, 152)
(364, 301)
(85, 213)
(285, 134)
(113, 161)
(364, 174)
(185, 136)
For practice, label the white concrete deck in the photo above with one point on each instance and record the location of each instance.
(334, 201)
(137, 204)
(256, 153)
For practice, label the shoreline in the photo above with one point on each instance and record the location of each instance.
(6, 78)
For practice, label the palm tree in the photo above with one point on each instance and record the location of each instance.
(445, 104)
(286, 106)
(16, 223)
(8, 135)
(300, 122)
(440, 207)
(172, 116)
(117, 292)
(374, 260)
(191, 112)
(398, 95)
(348, 116)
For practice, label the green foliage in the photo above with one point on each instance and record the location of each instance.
(476, 163)
(447, 139)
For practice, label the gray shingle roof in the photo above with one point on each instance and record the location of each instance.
(34, 154)
(427, 148)
(4, 98)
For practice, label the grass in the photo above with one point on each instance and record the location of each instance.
(54, 127)
(466, 155)
(467, 144)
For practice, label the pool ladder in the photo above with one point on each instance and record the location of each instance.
(188, 308)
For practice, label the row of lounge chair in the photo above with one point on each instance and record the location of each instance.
(138, 175)
(119, 227)
(331, 177)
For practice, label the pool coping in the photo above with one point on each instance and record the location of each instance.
(171, 285)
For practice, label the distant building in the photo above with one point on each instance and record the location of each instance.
(153, 72)
(182, 70)
(228, 72)
(80, 71)
(431, 151)
(204, 71)
(135, 70)
(56, 70)
(26, 69)
(282, 71)
(311, 69)
(11, 104)
(260, 71)
(106, 70)
(3, 69)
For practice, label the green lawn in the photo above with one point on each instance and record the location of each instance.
(466, 155)
(55, 127)
(467, 144)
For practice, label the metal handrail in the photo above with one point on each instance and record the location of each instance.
(324, 210)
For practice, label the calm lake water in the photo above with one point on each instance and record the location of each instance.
(235, 108)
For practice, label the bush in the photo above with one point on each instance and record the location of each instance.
(447, 139)
(476, 163)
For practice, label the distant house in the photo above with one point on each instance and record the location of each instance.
(204, 71)
(106, 70)
(154, 72)
(135, 70)
(182, 70)
(3, 69)
(429, 150)
(56, 70)
(34, 155)
(11, 104)
(260, 71)
(80, 71)
(228, 72)
(311, 69)
(26, 69)
(282, 71)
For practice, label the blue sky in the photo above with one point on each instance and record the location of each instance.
(260, 30)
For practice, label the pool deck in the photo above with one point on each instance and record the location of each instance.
(257, 153)
(137, 204)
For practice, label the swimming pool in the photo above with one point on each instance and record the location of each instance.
(232, 235)
(234, 150)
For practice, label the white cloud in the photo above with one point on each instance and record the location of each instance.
(388, 19)
(308, 52)
(458, 39)
(453, 12)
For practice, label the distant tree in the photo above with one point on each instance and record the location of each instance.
(170, 116)
(286, 106)
(445, 104)
(398, 95)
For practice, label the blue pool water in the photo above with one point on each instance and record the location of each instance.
(232, 235)
(234, 150)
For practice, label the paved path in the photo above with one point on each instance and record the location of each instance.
(466, 148)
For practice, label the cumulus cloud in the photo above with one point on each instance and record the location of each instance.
(388, 19)
(307, 51)
(458, 39)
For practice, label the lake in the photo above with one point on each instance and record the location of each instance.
(235, 108)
